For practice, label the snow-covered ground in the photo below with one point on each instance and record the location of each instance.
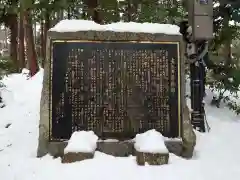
(217, 154)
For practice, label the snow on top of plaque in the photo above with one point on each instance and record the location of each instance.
(75, 25)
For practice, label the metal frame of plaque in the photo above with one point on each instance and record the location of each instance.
(117, 89)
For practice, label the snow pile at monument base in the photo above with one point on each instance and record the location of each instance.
(82, 141)
(150, 142)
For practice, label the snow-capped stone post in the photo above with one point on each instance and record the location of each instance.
(150, 148)
(81, 146)
(117, 80)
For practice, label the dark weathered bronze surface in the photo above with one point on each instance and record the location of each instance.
(116, 89)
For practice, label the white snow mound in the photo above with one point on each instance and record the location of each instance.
(75, 25)
(82, 141)
(150, 142)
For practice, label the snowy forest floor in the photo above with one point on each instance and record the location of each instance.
(217, 154)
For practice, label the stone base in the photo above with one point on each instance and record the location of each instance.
(74, 157)
(175, 147)
(188, 149)
(189, 137)
(120, 149)
(151, 159)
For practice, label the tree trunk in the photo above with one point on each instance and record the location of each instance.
(228, 40)
(92, 8)
(21, 42)
(129, 12)
(13, 26)
(45, 27)
(69, 12)
(42, 40)
(31, 52)
(59, 15)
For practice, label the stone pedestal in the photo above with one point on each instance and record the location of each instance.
(74, 157)
(119, 149)
(151, 158)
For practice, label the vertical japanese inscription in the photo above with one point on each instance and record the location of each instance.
(120, 88)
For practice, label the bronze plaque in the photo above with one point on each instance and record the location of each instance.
(116, 89)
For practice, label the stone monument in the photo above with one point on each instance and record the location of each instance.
(117, 80)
